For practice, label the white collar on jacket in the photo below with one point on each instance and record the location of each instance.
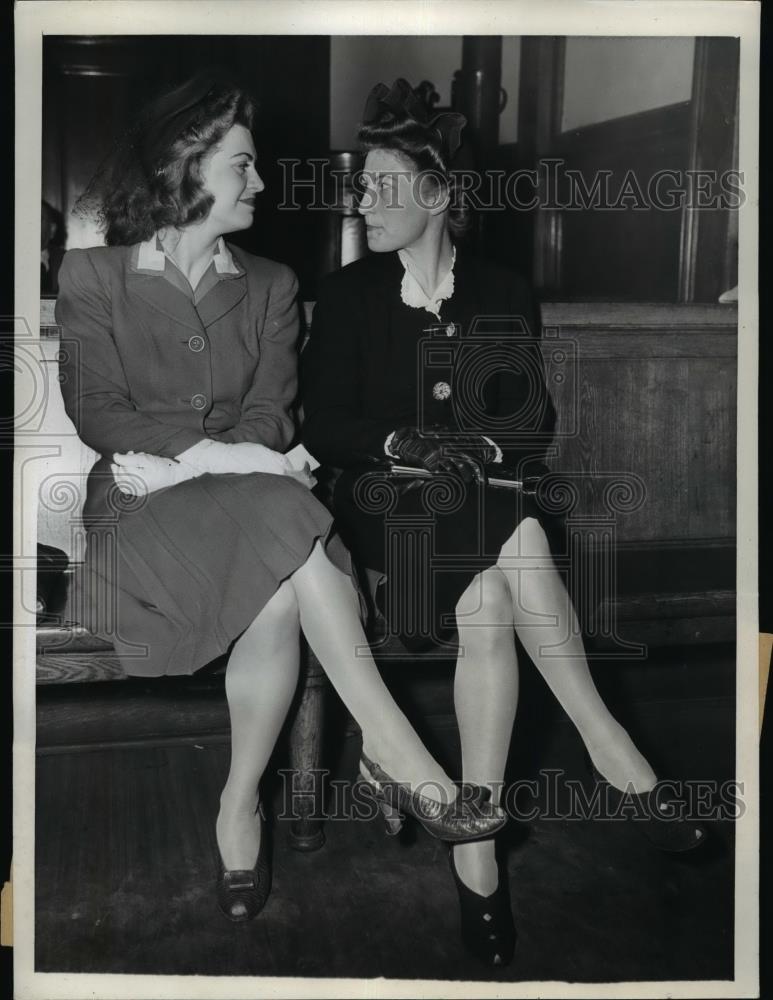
(413, 294)
(151, 257)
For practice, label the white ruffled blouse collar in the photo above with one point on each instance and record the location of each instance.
(413, 294)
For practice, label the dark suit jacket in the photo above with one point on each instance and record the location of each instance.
(373, 364)
(145, 370)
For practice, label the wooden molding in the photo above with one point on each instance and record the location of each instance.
(640, 315)
(707, 266)
(540, 102)
(576, 315)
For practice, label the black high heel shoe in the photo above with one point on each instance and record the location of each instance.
(242, 892)
(663, 826)
(471, 815)
(488, 929)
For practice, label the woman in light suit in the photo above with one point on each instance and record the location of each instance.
(179, 369)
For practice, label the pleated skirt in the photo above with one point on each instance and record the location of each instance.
(174, 578)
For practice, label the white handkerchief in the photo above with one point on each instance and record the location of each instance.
(299, 457)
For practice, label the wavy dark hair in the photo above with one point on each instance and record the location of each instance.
(423, 146)
(154, 180)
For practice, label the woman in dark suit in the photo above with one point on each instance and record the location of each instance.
(179, 369)
(426, 355)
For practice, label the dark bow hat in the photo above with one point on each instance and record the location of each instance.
(400, 99)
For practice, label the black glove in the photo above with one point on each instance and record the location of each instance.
(433, 451)
(473, 446)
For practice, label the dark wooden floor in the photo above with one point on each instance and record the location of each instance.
(126, 854)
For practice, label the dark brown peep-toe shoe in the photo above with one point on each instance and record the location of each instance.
(242, 892)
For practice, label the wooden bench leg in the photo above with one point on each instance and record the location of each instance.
(306, 759)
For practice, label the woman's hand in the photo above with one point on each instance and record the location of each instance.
(217, 457)
(139, 474)
(437, 453)
(474, 446)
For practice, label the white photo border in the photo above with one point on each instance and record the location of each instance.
(738, 18)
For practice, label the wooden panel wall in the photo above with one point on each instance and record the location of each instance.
(646, 399)
(650, 391)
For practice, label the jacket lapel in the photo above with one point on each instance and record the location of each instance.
(222, 298)
(146, 279)
(162, 296)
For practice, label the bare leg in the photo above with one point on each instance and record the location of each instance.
(485, 698)
(260, 682)
(547, 626)
(330, 621)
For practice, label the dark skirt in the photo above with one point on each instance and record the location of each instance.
(423, 543)
(172, 579)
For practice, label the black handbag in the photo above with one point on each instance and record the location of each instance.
(51, 583)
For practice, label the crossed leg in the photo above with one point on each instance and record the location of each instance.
(524, 593)
(485, 699)
(546, 624)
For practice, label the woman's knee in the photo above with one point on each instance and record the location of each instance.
(486, 601)
(530, 540)
(537, 585)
